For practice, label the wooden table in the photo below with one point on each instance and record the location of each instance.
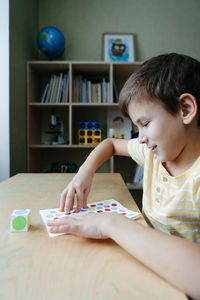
(34, 266)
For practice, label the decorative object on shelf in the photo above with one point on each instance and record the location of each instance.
(118, 47)
(118, 126)
(64, 167)
(68, 167)
(89, 133)
(51, 42)
(54, 168)
(56, 130)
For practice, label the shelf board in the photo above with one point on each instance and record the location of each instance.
(44, 146)
(74, 104)
(47, 104)
(94, 104)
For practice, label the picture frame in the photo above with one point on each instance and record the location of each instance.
(118, 47)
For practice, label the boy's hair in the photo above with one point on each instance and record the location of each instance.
(165, 78)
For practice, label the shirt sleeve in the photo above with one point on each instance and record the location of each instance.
(137, 151)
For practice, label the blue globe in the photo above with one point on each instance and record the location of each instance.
(51, 42)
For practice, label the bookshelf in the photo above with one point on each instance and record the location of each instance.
(69, 110)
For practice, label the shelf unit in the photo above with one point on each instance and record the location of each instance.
(40, 155)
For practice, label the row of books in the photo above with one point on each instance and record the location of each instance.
(91, 90)
(57, 89)
(85, 90)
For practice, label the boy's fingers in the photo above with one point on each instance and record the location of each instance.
(85, 198)
(79, 200)
(57, 222)
(59, 229)
(69, 200)
(62, 200)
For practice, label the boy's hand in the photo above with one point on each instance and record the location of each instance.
(78, 189)
(82, 225)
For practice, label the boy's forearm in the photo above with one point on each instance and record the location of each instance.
(173, 258)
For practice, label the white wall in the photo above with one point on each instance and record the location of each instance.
(4, 91)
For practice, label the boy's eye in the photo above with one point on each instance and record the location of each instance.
(146, 124)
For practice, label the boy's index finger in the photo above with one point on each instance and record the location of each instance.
(62, 200)
(69, 200)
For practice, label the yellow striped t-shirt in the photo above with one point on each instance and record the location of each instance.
(170, 204)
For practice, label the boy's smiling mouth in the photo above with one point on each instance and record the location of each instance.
(152, 148)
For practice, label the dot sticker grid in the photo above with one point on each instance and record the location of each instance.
(108, 206)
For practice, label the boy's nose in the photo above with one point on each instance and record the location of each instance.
(142, 139)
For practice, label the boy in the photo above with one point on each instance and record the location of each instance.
(162, 99)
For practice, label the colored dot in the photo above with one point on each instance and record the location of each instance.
(91, 209)
(107, 209)
(93, 205)
(106, 205)
(75, 212)
(91, 212)
(114, 204)
(49, 216)
(83, 210)
(99, 211)
(107, 202)
(99, 207)
(130, 215)
(114, 208)
(20, 212)
(122, 210)
(58, 214)
(19, 223)
(123, 214)
(56, 218)
(100, 203)
(53, 211)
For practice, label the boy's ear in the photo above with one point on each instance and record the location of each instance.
(188, 107)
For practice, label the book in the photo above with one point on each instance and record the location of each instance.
(52, 88)
(104, 91)
(65, 91)
(45, 93)
(58, 96)
(53, 100)
(98, 87)
(49, 89)
(94, 93)
(115, 92)
(89, 89)
(108, 92)
(83, 96)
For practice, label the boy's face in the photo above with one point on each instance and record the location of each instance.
(161, 131)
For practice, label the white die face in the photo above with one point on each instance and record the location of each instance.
(20, 220)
